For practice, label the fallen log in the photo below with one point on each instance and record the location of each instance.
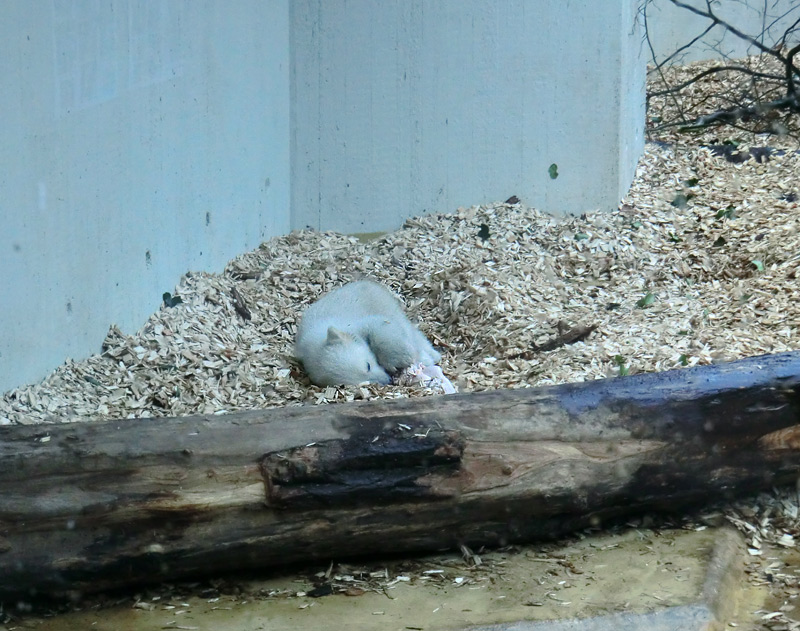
(92, 506)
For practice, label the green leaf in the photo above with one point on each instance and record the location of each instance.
(726, 213)
(170, 300)
(758, 265)
(580, 236)
(553, 171)
(636, 224)
(683, 360)
(646, 300)
(674, 238)
(681, 199)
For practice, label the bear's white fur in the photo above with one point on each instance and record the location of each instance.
(359, 333)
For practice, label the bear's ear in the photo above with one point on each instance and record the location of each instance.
(335, 336)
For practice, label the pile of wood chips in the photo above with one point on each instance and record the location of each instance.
(699, 264)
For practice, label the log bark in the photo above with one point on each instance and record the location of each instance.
(93, 506)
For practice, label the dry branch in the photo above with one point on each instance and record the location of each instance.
(565, 336)
(85, 507)
(752, 99)
(240, 305)
(744, 113)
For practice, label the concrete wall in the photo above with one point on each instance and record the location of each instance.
(672, 27)
(140, 139)
(402, 107)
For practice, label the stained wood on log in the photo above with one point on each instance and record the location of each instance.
(93, 506)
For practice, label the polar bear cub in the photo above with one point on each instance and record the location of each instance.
(359, 333)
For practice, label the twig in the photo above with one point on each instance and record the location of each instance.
(240, 305)
(675, 100)
(705, 73)
(575, 334)
(790, 72)
(709, 14)
(739, 113)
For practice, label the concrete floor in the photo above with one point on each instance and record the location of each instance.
(635, 579)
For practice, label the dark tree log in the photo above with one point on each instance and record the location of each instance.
(87, 507)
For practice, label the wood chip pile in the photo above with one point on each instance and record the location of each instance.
(698, 264)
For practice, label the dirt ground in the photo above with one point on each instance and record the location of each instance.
(634, 570)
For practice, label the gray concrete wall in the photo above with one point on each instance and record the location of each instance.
(403, 107)
(140, 139)
(672, 27)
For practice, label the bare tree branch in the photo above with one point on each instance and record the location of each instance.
(685, 47)
(709, 14)
(739, 113)
(762, 91)
(790, 72)
(675, 100)
(710, 71)
(782, 42)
